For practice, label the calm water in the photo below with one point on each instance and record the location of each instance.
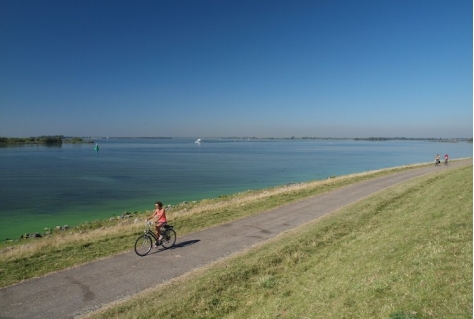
(44, 186)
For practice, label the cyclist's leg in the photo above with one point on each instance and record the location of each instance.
(158, 231)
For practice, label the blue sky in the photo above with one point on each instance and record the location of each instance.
(327, 68)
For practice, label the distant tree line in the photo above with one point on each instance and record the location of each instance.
(432, 139)
(45, 139)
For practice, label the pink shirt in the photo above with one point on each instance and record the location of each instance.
(160, 215)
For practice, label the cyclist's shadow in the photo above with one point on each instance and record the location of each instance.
(178, 245)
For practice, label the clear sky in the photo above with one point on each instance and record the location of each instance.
(198, 68)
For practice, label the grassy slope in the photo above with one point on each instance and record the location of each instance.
(403, 253)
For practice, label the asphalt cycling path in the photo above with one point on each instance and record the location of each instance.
(76, 291)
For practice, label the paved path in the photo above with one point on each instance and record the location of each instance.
(75, 291)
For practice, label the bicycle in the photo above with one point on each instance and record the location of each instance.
(144, 242)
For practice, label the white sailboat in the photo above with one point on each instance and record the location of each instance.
(198, 141)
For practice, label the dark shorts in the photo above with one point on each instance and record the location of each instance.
(162, 224)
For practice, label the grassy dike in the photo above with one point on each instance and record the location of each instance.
(405, 252)
(103, 238)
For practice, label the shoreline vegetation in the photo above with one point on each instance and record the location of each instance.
(43, 140)
(405, 252)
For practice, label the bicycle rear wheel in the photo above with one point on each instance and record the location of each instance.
(143, 245)
(169, 238)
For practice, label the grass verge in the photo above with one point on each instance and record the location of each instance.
(405, 252)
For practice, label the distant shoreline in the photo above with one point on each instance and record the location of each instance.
(429, 139)
(43, 140)
(59, 139)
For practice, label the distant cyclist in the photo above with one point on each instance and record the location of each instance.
(159, 217)
(446, 159)
(437, 161)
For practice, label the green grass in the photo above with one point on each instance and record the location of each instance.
(405, 252)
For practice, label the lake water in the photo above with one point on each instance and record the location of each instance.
(47, 186)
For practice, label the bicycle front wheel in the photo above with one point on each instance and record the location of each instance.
(169, 238)
(143, 245)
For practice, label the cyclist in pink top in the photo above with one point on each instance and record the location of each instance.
(159, 217)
